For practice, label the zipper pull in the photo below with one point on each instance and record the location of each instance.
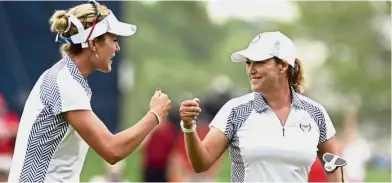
(283, 131)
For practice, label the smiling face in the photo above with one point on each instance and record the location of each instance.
(264, 75)
(105, 50)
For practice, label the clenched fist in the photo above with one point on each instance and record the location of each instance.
(160, 104)
(189, 110)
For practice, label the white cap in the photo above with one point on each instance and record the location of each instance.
(267, 45)
(108, 24)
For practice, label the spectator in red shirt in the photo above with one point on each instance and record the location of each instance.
(157, 147)
(9, 122)
(180, 170)
(317, 172)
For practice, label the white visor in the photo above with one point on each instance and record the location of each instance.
(108, 24)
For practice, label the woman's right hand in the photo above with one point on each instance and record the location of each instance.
(189, 110)
(160, 104)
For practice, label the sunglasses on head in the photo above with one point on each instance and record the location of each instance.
(100, 11)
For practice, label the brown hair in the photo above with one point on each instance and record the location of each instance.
(59, 22)
(297, 78)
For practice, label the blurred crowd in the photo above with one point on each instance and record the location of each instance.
(171, 164)
(164, 154)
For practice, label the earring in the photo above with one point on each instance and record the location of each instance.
(95, 50)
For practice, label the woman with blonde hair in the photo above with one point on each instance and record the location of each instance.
(58, 124)
(273, 133)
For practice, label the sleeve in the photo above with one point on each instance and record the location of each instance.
(327, 127)
(222, 122)
(72, 94)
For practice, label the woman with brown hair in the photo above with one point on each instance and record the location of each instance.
(274, 134)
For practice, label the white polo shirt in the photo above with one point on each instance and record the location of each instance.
(261, 149)
(47, 148)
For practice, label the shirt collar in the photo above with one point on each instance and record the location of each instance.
(260, 104)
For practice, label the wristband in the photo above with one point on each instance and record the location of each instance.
(188, 130)
(156, 115)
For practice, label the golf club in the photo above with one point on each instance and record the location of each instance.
(332, 162)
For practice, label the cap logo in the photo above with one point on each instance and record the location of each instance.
(256, 39)
(276, 48)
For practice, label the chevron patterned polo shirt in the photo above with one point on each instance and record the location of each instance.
(261, 149)
(47, 148)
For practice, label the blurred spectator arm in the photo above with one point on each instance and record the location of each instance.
(176, 168)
